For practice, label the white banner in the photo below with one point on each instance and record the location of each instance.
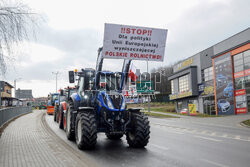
(130, 42)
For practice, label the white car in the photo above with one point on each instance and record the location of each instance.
(223, 105)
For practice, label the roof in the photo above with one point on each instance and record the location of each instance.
(9, 85)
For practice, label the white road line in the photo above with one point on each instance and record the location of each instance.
(208, 138)
(214, 163)
(159, 147)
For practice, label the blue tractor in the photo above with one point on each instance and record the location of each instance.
(99, 106)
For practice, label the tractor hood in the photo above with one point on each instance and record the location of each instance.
(112, 100)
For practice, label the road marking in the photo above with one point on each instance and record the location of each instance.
(159, 147)
(213, 134)
(208, 138)
(214, 163)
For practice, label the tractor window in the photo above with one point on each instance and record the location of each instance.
(110, 81)
(89, 80)
(81, 84)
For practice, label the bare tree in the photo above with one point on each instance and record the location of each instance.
(17, 23)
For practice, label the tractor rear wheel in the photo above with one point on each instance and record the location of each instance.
(69, 128)
(138, 136)
(61, 118)
(54, 116)
(114, 136)
(86, 130)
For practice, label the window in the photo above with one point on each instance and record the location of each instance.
(247, 84)
(179, 105)
(172, 86)
(183, 83)
(208, 74)
(238, 68)
(239, 83)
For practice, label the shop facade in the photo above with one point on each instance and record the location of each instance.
(215, 81)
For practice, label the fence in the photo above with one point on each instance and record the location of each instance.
(7, 114)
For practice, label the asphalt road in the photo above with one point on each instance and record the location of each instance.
(218, 142)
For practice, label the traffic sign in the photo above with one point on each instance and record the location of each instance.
(144, 87)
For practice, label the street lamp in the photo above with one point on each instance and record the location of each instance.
(56, 73)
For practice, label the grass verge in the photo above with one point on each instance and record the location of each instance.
(158, 115)
(247, 122)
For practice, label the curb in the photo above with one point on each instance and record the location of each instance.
(244, 125)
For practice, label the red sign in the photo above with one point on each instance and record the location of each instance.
(242, 73)
(239, 74)
(240, 92)
(241, 110)
(247, 72)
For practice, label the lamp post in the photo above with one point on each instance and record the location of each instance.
(56, 73)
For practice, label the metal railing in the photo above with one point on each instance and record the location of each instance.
(7, 114)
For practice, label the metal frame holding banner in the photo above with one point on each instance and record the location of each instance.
(131, 42)
(223, 81)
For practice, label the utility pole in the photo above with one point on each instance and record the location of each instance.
(148, 94)
(56, 73)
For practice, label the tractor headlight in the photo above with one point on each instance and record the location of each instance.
(109, 104)
(85, 97)
(123, 104)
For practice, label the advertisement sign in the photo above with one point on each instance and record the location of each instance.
(192, 109)
(224, 84)
(180, 95)
(241, 110)
(240, 92)
(130, 42)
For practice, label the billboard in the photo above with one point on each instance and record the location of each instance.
(224, 84)
(130, 42)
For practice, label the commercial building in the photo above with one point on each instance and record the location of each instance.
(24, 94)
(215, 80)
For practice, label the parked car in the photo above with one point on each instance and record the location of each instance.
(184, 111)
(223, 105)
(228, 91)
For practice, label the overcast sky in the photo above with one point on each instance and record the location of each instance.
(72, 31)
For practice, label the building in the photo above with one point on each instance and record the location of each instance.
(215, 80)
(24, 94)
(6, 94)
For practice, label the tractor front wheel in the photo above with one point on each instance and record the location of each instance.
(138, 136)
(86, 130)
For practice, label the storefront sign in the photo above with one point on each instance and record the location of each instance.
(239, 74)
(192, 109)
(201, 88)
(183, 64)
(240, 92)
(242, 73)
(130, 42)
(180, 95)
(208, 90)
(241, 110)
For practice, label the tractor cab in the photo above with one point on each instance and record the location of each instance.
(53, 100)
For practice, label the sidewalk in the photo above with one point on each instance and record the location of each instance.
(26, 142)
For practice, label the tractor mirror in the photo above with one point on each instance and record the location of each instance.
(71, 77)
(61, 92)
